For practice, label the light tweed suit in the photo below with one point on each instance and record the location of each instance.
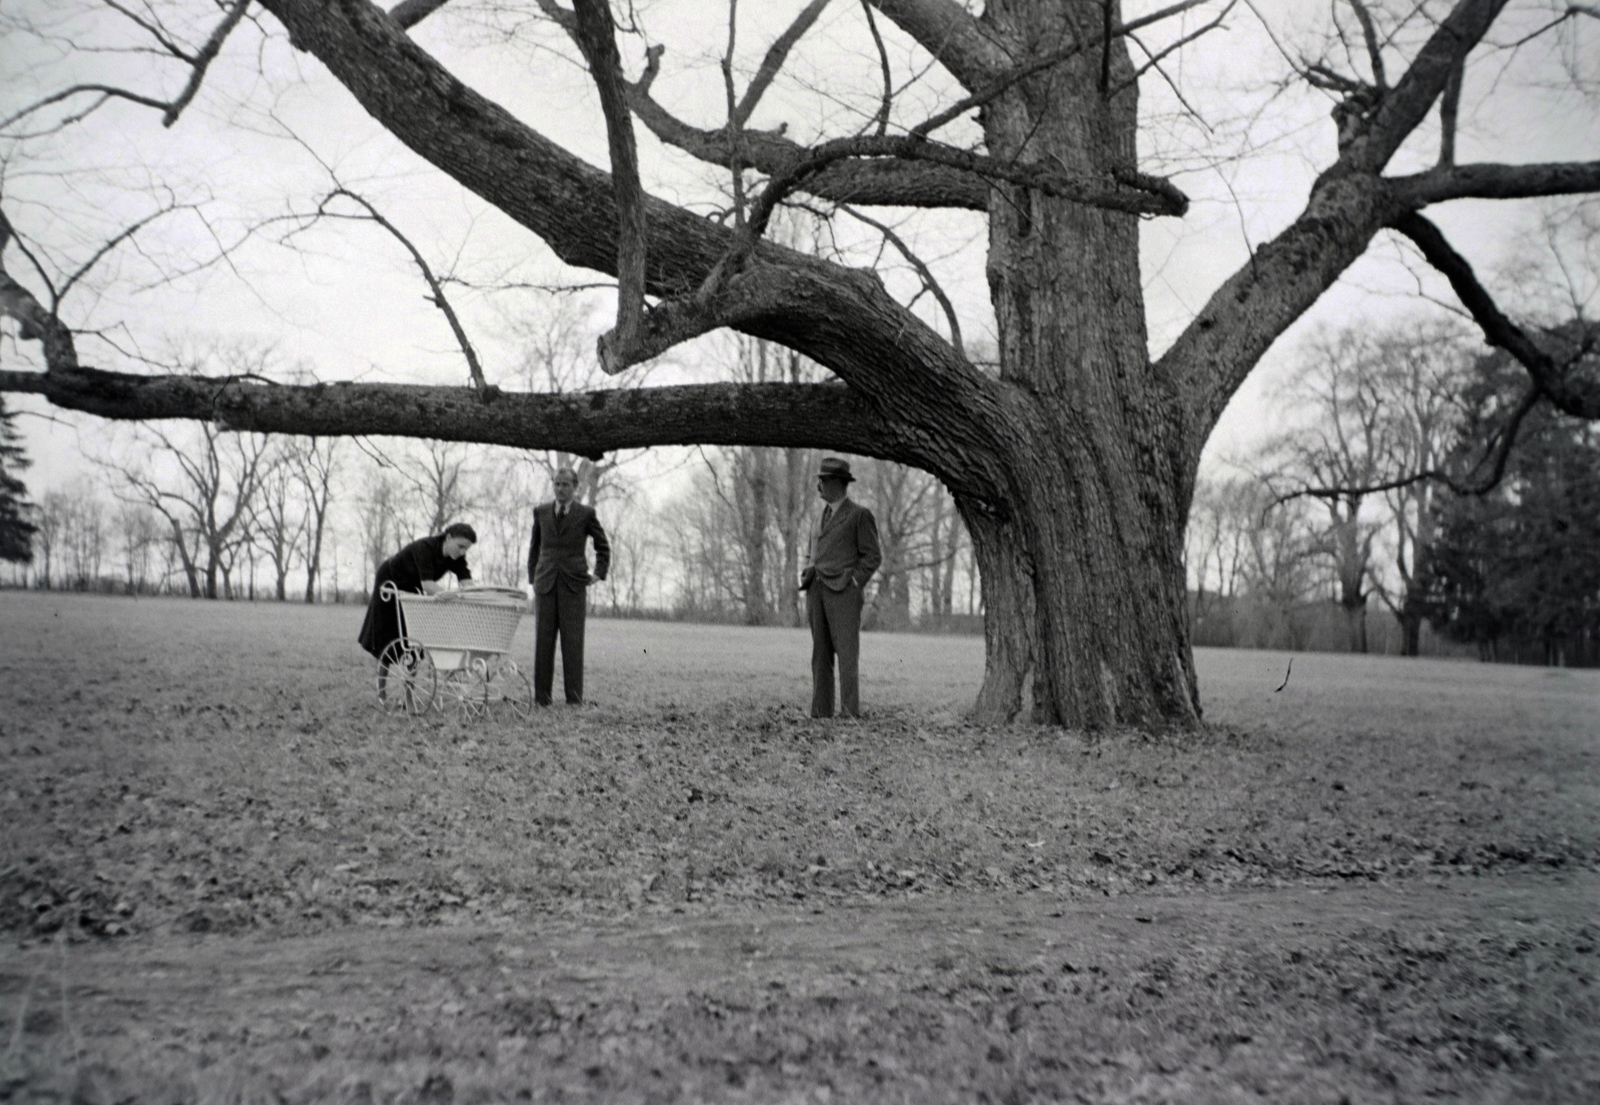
(842, 556)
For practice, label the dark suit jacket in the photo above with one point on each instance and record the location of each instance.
(559, 551)
(847, 551)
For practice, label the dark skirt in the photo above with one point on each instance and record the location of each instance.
(382, 623)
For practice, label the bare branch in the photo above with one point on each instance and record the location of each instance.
(152, 27)
(565, 19)
(1403, 107)
(941, 182)
(790, 298)
(408, 13)
(597, 38)
(731, 127)
(105, 91)
(923, 272)
(1572, 11)
(1349, 204)
(1369, 35)
(435, 285)
(202, 61)
(1496, 457)
(588, 424)
(124, 235)
(1449, 110)
(883, 182)
(171, 109)
(777, 54)
(1132, 192)
(887, 100)
(1489, 181)
(1572, 393)
(1155, 60)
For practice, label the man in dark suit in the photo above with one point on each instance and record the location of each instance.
(558, 568)
(842, 556)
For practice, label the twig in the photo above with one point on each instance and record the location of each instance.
(923, 271)
(202, 61)
(438, 298)
(883, 64)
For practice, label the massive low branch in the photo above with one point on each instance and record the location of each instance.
(840, 318)
(590, 423)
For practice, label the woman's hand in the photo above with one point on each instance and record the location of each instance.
(431, 587)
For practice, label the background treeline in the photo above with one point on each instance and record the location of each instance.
(1419, 496)
(1412, 500)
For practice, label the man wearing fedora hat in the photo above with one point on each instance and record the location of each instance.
(842, 556)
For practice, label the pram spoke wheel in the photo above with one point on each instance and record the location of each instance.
(508, 684)
(461, 693)
(407, 679)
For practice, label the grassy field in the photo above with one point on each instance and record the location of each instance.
(226, 876)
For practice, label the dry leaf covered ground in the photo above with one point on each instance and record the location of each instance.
(225, 876)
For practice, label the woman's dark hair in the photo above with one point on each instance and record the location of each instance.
(461, 529)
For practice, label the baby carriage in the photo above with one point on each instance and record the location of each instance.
(451, 653)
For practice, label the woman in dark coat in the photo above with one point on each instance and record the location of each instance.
(417, 568)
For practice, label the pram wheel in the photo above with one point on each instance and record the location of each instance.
(507, 683)
(407, 679)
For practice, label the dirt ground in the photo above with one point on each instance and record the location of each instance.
(953, 999)
(226, 878)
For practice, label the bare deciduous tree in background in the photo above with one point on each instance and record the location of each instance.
(314, 463)
(202, 481)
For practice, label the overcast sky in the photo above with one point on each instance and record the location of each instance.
(270, 129)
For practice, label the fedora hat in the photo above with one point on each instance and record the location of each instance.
(835, 469)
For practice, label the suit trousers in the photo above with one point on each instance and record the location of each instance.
(835, 631)
(560, 612)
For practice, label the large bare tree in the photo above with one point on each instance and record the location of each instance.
(1072, 460)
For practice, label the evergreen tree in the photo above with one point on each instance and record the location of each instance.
(1520, 565)
(16, 532)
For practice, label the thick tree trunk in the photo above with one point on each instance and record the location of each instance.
(314, 566)
(757, 609)
(1410, 633)
(1005, 573)
(1095, 438)
(1355, 614)
(191, 572)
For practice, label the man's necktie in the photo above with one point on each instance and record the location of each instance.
(827, 513)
